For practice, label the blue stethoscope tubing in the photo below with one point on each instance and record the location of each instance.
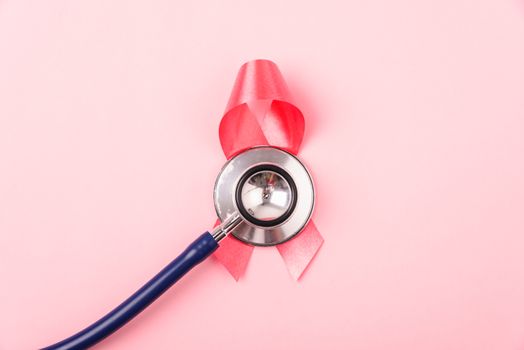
(194, 254)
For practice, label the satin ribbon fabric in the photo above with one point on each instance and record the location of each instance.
(260, 113)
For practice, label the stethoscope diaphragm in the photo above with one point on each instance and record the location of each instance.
(270, 189)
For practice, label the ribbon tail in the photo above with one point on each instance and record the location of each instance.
(234, 255)
(298, 252)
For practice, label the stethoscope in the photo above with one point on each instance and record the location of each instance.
(263, 196)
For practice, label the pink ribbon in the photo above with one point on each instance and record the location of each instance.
(260, 113)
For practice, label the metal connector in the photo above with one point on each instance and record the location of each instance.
(221, 231)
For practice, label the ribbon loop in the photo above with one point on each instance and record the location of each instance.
(258, 80)
(260, 112)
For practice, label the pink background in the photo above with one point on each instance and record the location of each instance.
(109, 149)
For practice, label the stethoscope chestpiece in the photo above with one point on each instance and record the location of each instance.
(270, 189)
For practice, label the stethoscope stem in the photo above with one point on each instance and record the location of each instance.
(221, 231)
(194, 254)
